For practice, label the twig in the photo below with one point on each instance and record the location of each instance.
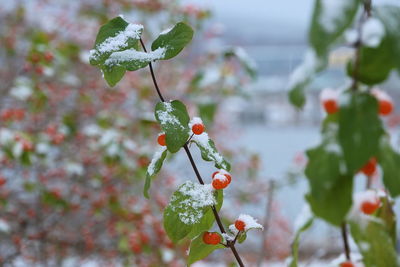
(199, 178)
(345, 241)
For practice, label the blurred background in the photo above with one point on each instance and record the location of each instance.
(74, 152)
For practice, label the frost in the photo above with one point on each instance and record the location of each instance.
(198, 196)
(221, 177)
(156, 157)
(117, 42)
(195, 120)
(203, 141)
(4, 226)
(372, 32)
(304, 216)
(6, 136)
(166, 117)
(166, 31)
(120, 57)
(328, 94)
(356, 214)
(250, 222)
(74, 168)
(228, 237)
(233, 229)
(331, 13)
(307, 69)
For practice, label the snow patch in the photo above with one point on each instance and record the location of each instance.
(372, 32)
(190, 211)
(203, 141)
(307, 69)
(331, 13)
(156, 157)
(121, 57)
(117, 42)
(250, 222)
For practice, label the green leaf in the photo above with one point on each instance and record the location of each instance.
(174, 119)
(209, 151)
(328, 25)
(113, 74)
(297, 96)
(174, 40)
(389, 160)
(330, 196)
(390, 17)
(186, 208)
(375, 64)
(388, 217)
(375, 244)
(360, 129)
(208, 219)
(112, 37)
(295, 245)
(153, 168)
(199, 250)
(242, 237)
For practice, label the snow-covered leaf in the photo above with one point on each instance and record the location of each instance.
(153, 168)
(208, 219)
(390, 17)
(330, 19)
(209, 151)
(303, 222)
(186, 208)
(174, 120)
(173, 40)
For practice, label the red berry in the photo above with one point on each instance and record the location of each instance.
(2, 181)
(369, 168)
(198, 128)
(330, 106)
(240, 225)
(211, 238)
(347, 264)
(223, 172)
(161, 140)
(48, 56)
(369, 207)
(385, 107)
(220, 182)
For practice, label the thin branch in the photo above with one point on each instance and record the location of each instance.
(199, 178)
(345, 241)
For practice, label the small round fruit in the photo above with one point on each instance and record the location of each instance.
(161, 140)
(369, 168)
(347, 264)
(385, 107)
(225, 173)
(198, 128)
(220, 182)
(369, 207)
(330, 106)
(211, 238)
(240, 225)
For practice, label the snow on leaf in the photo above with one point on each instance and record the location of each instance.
(209, 151)
(250, 222)
(372, 32)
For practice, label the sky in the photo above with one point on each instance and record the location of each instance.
(263, 20)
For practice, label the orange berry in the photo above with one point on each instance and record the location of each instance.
(161, 140)
(330, 106)
(385, 107)
(369, 168)
(347, 264)
(240, 225)
(215, 173)
(227, 175)
(211, 238)
(369, 207)
(198, 128)
(220, 183)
